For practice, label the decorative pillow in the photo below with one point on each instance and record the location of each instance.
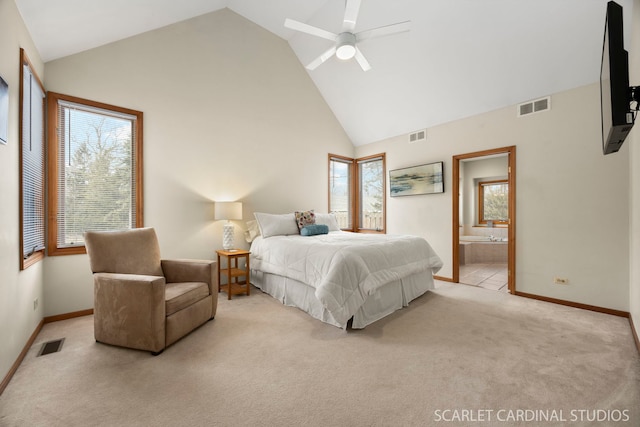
(329, 220)
(305, 218)
(314, 229)
(253, 231)
(276, 225)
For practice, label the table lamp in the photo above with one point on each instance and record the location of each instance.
(228, 211)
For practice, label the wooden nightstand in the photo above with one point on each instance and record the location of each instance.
(233, 273)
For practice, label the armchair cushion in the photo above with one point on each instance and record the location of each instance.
(181, 295)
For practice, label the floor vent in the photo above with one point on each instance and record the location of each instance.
(536, 106)
(420, 135)
(51, 347)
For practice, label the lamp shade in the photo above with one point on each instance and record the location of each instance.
(228, 210)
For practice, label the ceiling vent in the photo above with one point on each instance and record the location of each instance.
(535, 106)
(420, 135)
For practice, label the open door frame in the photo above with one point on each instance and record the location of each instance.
(511, 263)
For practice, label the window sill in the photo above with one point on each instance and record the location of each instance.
(32, 259)
(76, 250)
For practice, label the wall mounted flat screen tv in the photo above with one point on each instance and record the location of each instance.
(615, 94)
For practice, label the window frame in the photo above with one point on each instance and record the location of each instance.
(355, 203)
(351, 186)
(54, 170)
(359, 205)
(481, 218)
(36, 255)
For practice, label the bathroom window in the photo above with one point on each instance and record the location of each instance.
(493, 197)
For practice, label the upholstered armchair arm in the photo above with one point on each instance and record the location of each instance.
(193, 270)
(130, 310)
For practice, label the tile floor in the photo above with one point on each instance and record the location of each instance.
(485, 275)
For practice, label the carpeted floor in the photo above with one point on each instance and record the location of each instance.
(459, 355)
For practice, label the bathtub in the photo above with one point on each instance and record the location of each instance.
(481, 249)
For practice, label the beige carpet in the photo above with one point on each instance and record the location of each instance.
(475, 356)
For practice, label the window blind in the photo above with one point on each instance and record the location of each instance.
(32, 149)
(96, 171)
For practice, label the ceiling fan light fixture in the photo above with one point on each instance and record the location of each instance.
(346, 46)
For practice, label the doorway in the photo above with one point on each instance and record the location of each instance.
(481, 219)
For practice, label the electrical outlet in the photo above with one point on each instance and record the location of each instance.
(35, 303)
(560, 280)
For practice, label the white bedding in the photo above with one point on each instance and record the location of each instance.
(344, 268)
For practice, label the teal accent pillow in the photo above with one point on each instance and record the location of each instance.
(312, 230)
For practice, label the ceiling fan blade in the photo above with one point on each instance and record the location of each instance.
(362, 60)
(350, 15)
(322, 58)
(308, 29)
(387, 30)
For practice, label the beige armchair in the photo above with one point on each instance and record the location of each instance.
(141, 301)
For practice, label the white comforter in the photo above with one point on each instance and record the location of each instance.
(344, 268)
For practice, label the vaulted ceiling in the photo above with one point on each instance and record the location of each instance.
(460, 58)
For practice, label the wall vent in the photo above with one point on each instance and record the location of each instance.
(51, 347)
(420, 135)
(535, 106)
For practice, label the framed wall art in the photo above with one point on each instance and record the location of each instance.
(422, 179)
(4, 111)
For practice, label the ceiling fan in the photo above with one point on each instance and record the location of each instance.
(345, 46)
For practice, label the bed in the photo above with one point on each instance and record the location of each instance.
(340, 276)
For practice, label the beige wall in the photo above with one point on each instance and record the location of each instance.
(634, 193)
(18, 289)
(229, 114)
(572, 203)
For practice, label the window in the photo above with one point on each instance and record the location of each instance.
(95, 170)
(341, 190)
(366, 178)
(371, 193)
(493, 203)
(31, 164)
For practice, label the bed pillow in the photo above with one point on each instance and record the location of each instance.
(253, 231)
(314, 230)
(304, 218)
(329, 220)
(276, 225)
